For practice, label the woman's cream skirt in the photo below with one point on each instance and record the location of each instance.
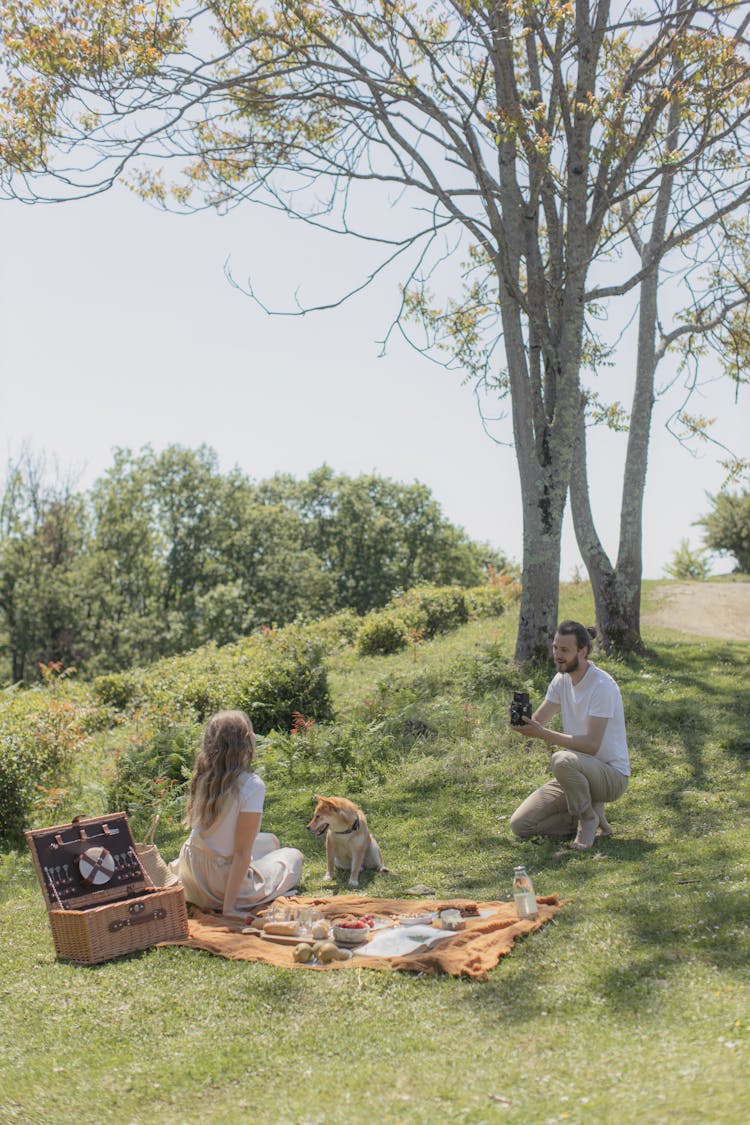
(203, 873)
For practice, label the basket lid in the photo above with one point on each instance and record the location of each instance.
(86, 862)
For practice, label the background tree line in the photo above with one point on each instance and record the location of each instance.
(553, 170)
(165, 552)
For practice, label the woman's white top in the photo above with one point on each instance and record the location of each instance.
(247, 797)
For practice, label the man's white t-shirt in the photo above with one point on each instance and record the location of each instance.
(596, 695)
(248, 797)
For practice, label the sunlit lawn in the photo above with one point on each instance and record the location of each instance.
(633, 1006)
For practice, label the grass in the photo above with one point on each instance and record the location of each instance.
(631, 1007)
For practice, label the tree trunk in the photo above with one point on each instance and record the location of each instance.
(543, 457)
(18, 666)
(616, 597)
(630, 552)
(544, 438)
(617, 590)
(541, 591)
(618, 614)
(544, 471)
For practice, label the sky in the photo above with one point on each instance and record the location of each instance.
(120, 328)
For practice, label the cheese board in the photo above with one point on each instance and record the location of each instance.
(280, 939)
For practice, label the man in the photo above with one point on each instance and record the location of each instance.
(592, 765)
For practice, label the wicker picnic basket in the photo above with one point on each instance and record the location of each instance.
(101, 902)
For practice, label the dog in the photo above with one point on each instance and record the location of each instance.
(349, 843)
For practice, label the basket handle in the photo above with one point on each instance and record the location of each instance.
(149, 835)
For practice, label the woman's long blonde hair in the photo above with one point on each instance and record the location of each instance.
(226, 753)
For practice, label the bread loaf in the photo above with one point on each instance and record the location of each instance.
(285, 929)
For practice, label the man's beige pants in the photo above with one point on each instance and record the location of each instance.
(580, 780)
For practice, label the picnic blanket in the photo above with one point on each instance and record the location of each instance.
(471, 952)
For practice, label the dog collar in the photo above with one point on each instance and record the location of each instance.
(347, 831)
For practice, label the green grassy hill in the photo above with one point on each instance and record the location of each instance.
(633, 1006)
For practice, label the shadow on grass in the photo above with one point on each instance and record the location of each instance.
(340, 885)
(739, 748)
(691, 706)
(642, 921)
(273, 985)
(700, 923)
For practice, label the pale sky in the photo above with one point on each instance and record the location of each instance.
(119, 328)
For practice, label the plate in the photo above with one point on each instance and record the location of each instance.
(418, 920)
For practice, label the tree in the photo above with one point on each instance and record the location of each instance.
(191, 555)
(673, 231)
(43, 535)
(540, 136)
(130, 624)
(727, 527)
(65, 67)
(166, 552)
(375, 536)
(280, 578)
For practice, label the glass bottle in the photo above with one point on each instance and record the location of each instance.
(523, 893)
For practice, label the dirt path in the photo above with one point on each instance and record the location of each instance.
(710, 609)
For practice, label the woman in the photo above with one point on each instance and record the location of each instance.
(227, 863)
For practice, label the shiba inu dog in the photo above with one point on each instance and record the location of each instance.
(349, 843)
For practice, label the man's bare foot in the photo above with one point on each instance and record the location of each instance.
(588, 822)
(605, 828)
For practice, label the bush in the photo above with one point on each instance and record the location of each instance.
(487, 672)
(117, 689)
(39, 737)
(152, 772)
(688, 563)
(335, 632)
(425, 611)
(432, 609)
(270, 676)
(352, 754)
(382, 632)
(486, 601)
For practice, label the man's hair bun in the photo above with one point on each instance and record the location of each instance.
(583, 634)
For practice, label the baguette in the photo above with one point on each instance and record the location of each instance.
(287, 929)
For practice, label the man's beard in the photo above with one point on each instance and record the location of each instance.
(572, 665)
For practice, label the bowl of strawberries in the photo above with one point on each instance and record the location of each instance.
(352, 930)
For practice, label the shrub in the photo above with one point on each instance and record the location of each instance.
(425, 611)
(153, 770)
(486, 672)
(117, 689)
(335, 632)
(382, 632)
(270, 675)
(432, 609)
(504, 583)
(486, 601)
(351, 753)
(688, 563)
(39, 737)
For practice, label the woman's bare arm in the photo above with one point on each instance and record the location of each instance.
(248, 824)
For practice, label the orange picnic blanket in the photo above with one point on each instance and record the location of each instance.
(472, 952)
